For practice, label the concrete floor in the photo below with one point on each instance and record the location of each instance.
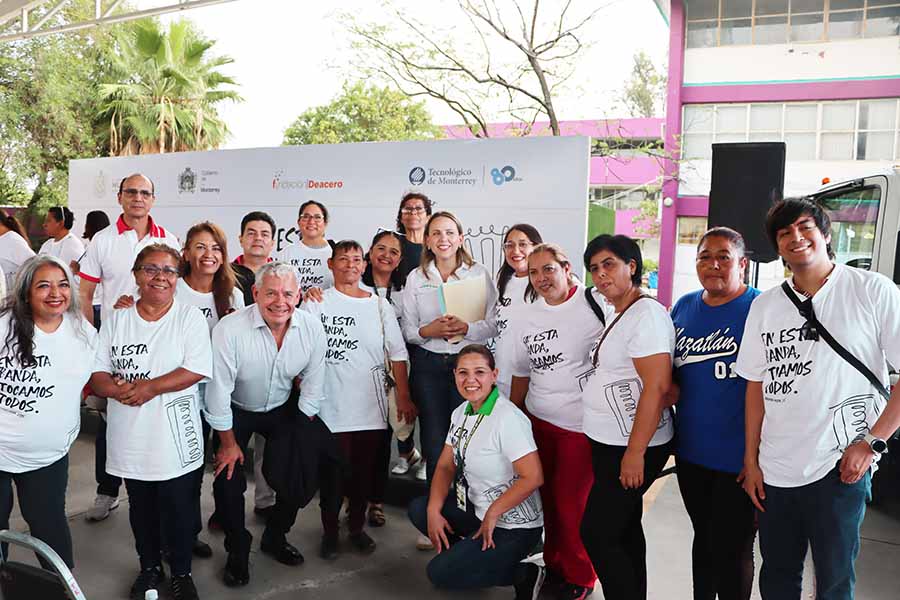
(107, 564)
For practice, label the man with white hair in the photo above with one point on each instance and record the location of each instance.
(258, 352)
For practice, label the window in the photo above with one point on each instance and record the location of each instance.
(691, 229)
(845, 130)
(622, 198)
(854, 216)
(713, 23)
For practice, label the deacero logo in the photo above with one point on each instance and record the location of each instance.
(280, 183)
(504, 175)
(417, 176)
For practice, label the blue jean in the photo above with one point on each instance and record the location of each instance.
(434, 392)
(826, 516)
(465, 566)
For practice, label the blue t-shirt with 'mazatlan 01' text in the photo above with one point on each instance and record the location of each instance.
(709, 420)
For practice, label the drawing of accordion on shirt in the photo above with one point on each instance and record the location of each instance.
(527, 512)
(622, 397)
(850, 419)
(184, 423)
(378, 376)
(485, 244)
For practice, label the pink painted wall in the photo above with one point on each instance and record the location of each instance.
(609, 170)
(792, 92)
(625, 223)
(600, 128)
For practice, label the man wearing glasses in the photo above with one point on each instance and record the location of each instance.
(109, 259)
(815, 423)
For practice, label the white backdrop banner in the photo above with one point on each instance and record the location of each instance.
(488, 184)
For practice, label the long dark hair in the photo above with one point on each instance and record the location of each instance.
(506, 271)
(20, 334)
(62, 214)
(11, 222)
(223, 279)
(94, 222)
(398, 278)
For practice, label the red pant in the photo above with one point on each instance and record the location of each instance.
(568, 477)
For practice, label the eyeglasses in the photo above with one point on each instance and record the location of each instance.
(394, 231)
(412, 210)
(153, 271)
(132, 192)
(315, 218)
(520, 245)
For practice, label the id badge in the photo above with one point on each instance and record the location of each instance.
(461, 493)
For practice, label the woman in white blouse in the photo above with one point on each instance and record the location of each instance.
(150, 360)
(629, 429)
(62, 243)
(45, 351)
(435, 338)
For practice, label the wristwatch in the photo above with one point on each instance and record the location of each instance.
(878, 445)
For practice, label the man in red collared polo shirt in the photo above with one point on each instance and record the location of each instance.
(109, 259)
(111, 254)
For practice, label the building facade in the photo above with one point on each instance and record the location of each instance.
(823, 76)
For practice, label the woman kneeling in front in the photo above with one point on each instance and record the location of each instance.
(484, 514)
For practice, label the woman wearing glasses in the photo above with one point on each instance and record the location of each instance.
(512, 283)
(310, 254)
(150, 360)
(14, 246)
(62, 244)
(551, 341)
(630, 431)
(710, 419)
(415, 209)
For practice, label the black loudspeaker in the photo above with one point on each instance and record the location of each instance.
(747, 178)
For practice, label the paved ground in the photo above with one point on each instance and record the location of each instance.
(106, 561)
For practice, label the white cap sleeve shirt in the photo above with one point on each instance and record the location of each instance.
(67, 249)
(205, 301)
(552, 347)
(161, 439)
(40, 405)
(613, 392)
(512, 298)
(501, 438)
(354, 362)
(311, 264)
(816, 404)
(14, 250)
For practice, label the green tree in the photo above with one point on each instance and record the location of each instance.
(645, 91)
(363, 114)
(164, 90)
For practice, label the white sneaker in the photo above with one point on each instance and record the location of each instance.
(421, 471)
(102, 505)
(403, 464)
(423, 543)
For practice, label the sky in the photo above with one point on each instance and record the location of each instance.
(291, 55)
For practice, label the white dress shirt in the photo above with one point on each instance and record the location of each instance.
(250, 371)
(421, 305)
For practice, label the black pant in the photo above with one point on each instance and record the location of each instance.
(229, 493)
(353, 476)
(42, 498)
(724, 528)
(611, 527)
(107, 485)
(157, 508)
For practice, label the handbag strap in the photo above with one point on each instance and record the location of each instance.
(606, 330)
(594, 306)
(806, 311)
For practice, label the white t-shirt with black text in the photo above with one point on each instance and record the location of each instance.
(551, 345)
(612, 394)
(513, 296)
(816, 403)
(205, 301)
(40, 406)
(161, 439)
(501, 438)
(311, 264)
(355, 399)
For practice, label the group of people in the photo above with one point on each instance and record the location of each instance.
(544, 422)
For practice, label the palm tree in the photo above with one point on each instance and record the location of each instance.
(164, 92)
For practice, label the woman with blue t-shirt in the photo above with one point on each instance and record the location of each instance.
(709, 325)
